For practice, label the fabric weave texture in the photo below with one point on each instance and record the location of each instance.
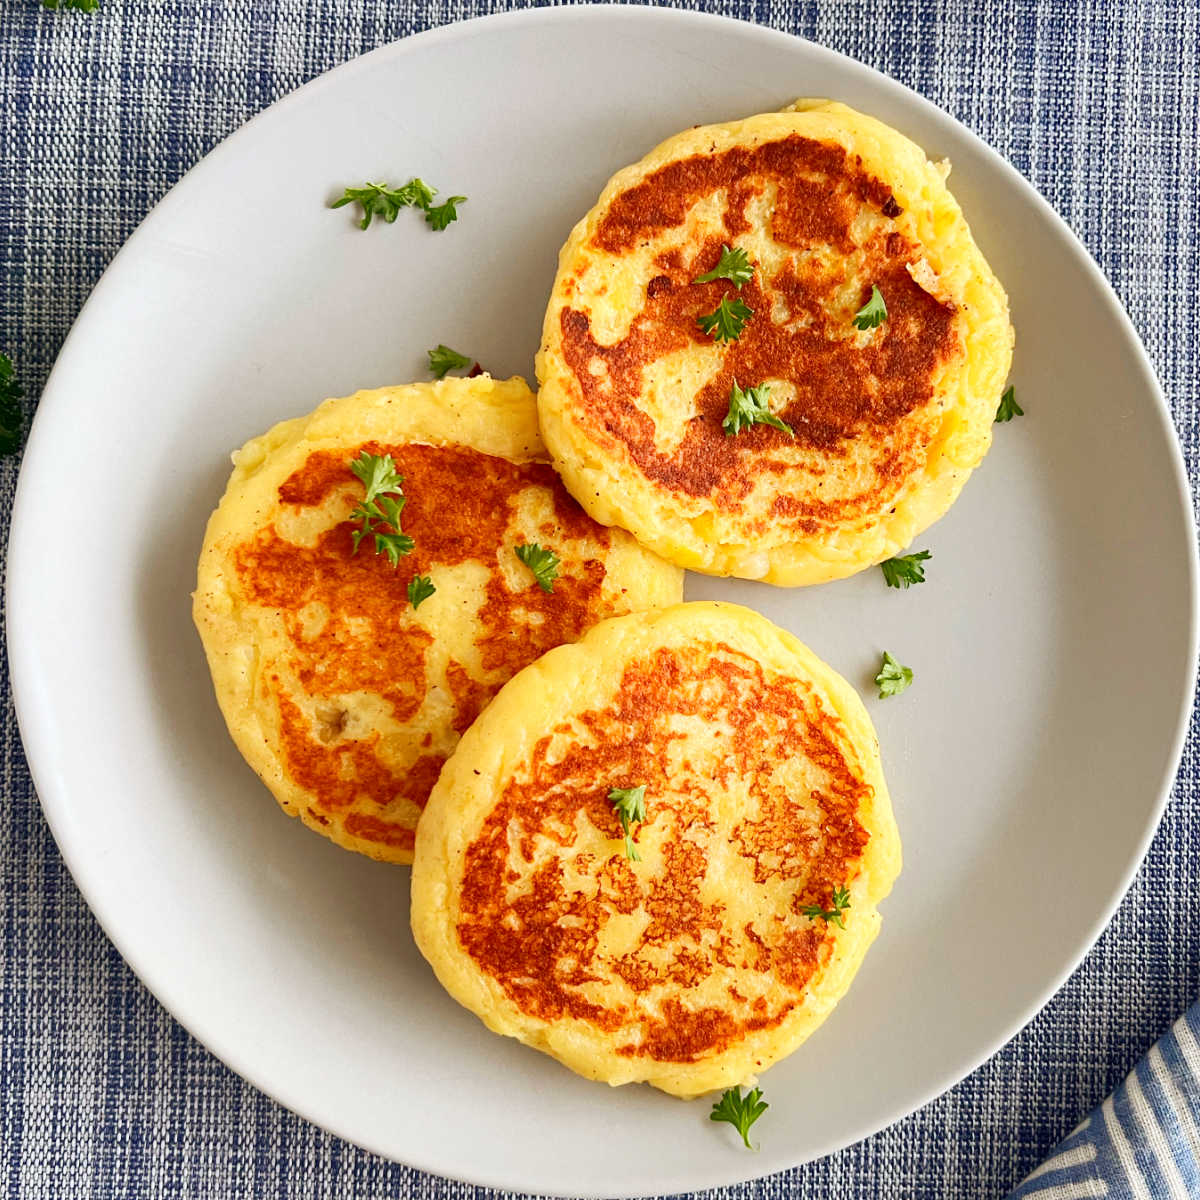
(1143, 1142)
(102, 1094)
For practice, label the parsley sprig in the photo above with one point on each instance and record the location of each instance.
(750, 407)
(740, 1111)
(735, 265)
(831, 916)
(444, 359)
(630, 805)
(12, 421)
(873, 313)
(543, 563)
(893, 677)
(382, 506)
(79, 5)
(1009, 407)
(420, 588)
(440, 215)
(726, 322)
(380, 200)
(905, 570)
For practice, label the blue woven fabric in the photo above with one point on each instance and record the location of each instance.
(101, 1093)
(1144, 1140)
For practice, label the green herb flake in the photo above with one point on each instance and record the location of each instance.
(630, 805)
(444, 359)
(873, 313)
(740, 1111)
(893, 678)
(78, 5)
(381, 507)
(726, 322)
(420, 588)
(379, 200)
(751, 407)
(439, 216)
(832, 915)
(735, 265)
(543, 563)
(1009, 407)
(12, 420)
(905, 570)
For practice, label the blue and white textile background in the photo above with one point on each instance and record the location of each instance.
(101, 1093)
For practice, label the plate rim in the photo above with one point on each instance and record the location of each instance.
(23, 666)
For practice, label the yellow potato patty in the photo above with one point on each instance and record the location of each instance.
(700, 963)
(344, 697)
(886, 423)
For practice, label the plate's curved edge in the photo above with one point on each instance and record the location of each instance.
(23, 667)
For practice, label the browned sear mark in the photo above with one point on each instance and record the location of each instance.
(459, 505)
(846, 387)
(542, 939)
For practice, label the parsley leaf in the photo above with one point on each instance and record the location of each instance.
(892, 678)
(726, 322)
(750, 408)
(379, 200)
(735, 265)
(12, 420)
(630, 805)
(873, 313)
(442, 214)
(379, 477)
(420, 588)
(79, 5)
(840, 902)
(444, 359)
(905, 570)
(1009, 407)
(376, 474)
(543, 564)
(394, 545)
(740, 1111)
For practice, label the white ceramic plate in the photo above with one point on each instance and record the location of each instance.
(1054, 643)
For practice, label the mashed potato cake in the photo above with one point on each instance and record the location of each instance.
(888, 422)
(707, 959)
(344, 697)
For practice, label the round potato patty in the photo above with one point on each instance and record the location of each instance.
(714, 937)
(344, 696)
(863, 435)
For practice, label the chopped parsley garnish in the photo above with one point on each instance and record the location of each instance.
(726, 322)
(840, 902)
(630, 805)
(12, 421)
(381, 507)
(379, 200)
(873, 313)
(905, 570)
(420, 588)
(740, 1111)
(892, 678)
(79, 5)
(440, 215)
(444, 359)
(543, 564)
(750, 407)
(735, 265)
(1009, 407)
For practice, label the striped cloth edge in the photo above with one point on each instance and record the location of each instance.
(1143, 1142)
